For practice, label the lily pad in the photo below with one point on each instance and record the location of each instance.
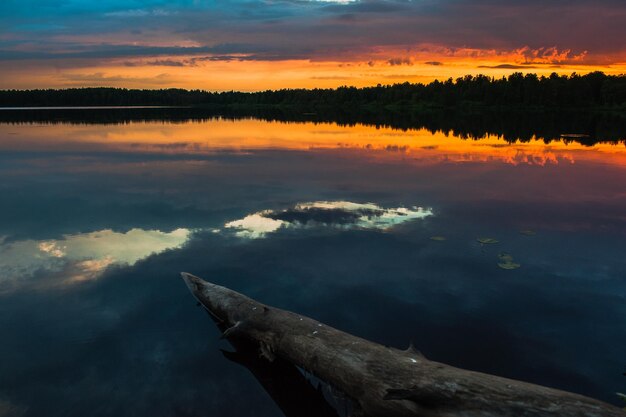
(487, 240)
(508, 265)
(438, 238)
(505, 257)
(506, 261)
(527, 232)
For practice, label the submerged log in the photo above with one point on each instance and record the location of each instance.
(383, 381)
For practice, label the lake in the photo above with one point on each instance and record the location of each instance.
(491, 255)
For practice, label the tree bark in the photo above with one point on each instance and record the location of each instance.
(383, 381)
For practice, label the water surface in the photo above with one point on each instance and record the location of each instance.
(372, 230)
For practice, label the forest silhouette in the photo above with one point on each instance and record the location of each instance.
(587, 108)
(595, 89)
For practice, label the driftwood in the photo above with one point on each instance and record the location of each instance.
(383, 381)
(289, 388)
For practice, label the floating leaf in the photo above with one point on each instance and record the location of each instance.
(506, 261)
(508, 265)
(505, 257)
(487, 240)
(438, 238)
(528, 232)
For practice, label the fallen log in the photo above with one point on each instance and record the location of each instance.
(383, 381)
(288, 387)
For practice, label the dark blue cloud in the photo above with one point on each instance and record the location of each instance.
(303, 29)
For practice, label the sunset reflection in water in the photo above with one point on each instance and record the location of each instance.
(498, 257)
(206, 137)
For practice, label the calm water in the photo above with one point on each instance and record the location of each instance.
(373, 231)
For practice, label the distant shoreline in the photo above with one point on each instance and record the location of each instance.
(312, 110)
(585, 126)
(595, 90)
(85, 107)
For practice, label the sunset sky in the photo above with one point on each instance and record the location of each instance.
(261, 44)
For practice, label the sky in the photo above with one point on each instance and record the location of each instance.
(255, 45)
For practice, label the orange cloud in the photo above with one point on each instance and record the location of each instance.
(248, 72)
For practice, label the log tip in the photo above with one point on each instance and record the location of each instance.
(193, 282)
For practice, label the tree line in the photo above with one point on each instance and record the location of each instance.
(582, 126)
(593, 90)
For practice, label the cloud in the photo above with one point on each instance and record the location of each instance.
(103, 79)
(82, 256)
(399, 76)
(558, 32)
(396, 148)
(336, 214)
(399, 61)
(508, 66)
(330, 77)
(255, 225)
(138, 13)
(39, 27)
(335, 1)
(165, 63)
(550, 55)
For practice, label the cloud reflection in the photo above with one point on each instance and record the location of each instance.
(336, 214)
(84, 256)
